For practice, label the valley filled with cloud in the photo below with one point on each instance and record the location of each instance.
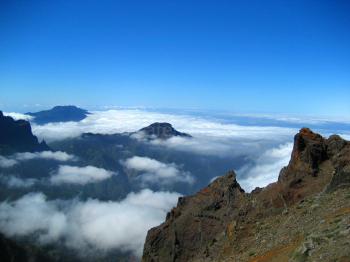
(87, 226)
(119, 183)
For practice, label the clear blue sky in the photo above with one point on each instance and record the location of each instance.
(243, 56)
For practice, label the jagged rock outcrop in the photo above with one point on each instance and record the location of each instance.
(59, 114)
(17, 136)
(314, 163)
(195, 221)
(275, 223)
(161, 131)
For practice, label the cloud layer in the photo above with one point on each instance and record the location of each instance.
(12, 181)
(210, 137)
(123, 120)
(266, 168)
(18, 157)
(156, 172)
(6, 162)
(90, 225)
(18, 116)
(79, 175)
(57, 155)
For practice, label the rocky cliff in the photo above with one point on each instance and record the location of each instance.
(17, 136)
(304, 216)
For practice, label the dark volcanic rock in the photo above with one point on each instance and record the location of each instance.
(17, 136)
(10, 251)
(59, 114)
(221, 219)
(162, 131)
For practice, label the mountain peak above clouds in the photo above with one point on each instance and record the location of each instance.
(304, 214)
(162, 131)
(59, 114)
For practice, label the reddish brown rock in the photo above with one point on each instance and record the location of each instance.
(220, 221)
(195, 221)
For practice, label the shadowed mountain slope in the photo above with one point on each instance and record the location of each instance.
(17, 136)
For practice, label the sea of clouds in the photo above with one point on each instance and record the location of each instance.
(210, 137)
(87, 226)
(9, 161)
(106, 225)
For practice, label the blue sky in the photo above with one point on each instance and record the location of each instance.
(277, 56)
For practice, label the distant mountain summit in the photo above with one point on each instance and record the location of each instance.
(162, 131)
(17, 136)
(59, 114)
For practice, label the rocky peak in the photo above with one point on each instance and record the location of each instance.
(221, 192)
(309, 148)
(195, 220)
(314, 159)
(162, 131)
(221, 222)
(226, 184)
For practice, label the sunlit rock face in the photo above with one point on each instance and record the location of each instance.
(223, 223)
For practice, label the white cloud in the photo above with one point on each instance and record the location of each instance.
(127, 120)
(81, 225)
(156, 172)
(266, 168)
(210, 137)
(210, 145)
(200, 144)
(7, 162)
(18, 116)
(79, 175)
(29, 214)
(17, 182)
(57, 155)
(12, 160)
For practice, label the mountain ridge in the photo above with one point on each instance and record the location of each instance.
(223, 223)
